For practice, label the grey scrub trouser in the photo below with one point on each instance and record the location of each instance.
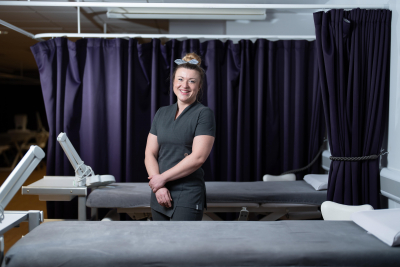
(180, 214)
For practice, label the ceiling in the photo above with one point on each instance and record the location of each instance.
(15, 55)
(16, 60)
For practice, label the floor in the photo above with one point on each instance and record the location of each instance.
(23, 202)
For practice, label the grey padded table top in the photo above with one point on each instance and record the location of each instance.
(131, 195)
(135, 243)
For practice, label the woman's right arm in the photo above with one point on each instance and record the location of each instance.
(150, 160)
(151, 155)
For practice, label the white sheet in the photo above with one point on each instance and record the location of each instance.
(384, 224)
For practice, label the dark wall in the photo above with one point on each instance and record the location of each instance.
(21, 99)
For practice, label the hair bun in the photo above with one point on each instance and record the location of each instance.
(190, 56)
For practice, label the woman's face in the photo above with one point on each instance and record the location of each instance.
(186, 85)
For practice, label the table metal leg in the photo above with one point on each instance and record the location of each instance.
(273, 216)
(81, 208)
(94, 216)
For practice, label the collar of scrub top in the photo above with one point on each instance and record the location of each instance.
(181, 61)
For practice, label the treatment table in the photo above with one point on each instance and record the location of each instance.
(144, 243)
(295, 199)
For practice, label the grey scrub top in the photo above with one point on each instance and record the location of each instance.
(175, 139)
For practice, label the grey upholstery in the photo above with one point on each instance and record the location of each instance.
(264, 192)
(120, 195)
(131, 195)
(136, 243)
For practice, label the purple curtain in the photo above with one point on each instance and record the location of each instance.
(353, 51)
(104, 94)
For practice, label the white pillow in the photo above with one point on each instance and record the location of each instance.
(384, 224)
(318, 181)
(332, 211)
(279, 178)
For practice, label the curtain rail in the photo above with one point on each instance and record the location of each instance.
(185, 5)
(168, 36)
(172, 36)
(15, 28)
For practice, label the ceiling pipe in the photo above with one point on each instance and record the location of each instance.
(12, 27)
(189, 5)
(173, 36)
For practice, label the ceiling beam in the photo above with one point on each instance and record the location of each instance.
(188, 5)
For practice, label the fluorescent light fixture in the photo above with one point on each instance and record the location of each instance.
(187, 13)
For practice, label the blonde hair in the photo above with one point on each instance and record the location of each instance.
(190, 56)
(187, 58)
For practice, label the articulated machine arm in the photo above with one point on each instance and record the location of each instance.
(18, 176)
(84, 175)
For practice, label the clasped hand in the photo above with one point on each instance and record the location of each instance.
(164, 197)
(156, 182)
(162, 194)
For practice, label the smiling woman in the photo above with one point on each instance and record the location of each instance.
(189, 66)
(180, 140)
(186, 85)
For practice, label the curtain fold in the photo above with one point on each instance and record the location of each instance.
(104, 94)
(353, 50)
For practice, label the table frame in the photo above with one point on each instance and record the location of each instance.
(59, 188)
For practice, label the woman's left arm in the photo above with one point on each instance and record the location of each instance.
(201, 148)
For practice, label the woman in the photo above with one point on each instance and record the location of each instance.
(180, 140)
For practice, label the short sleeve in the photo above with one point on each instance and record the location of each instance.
(205, 123)
(153, 129)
